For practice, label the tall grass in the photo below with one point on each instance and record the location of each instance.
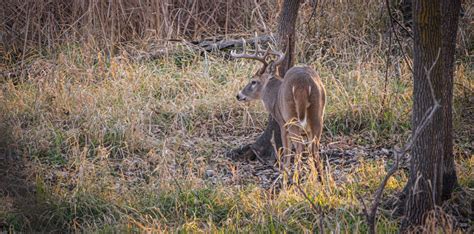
(46, 23)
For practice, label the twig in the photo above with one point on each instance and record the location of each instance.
(396, 21)
(314, 6)
(428, 116)
(389, 49)
(10, 74)
(389, 9)
(23, 53)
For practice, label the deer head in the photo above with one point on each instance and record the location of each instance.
(253, 90)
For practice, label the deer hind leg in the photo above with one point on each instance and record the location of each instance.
(315, 145)
(316, 158)
(296, 140)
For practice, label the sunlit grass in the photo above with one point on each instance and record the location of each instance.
(120, 144)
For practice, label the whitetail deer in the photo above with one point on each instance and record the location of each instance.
(296, 102)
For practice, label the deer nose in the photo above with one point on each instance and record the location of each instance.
(241, 97)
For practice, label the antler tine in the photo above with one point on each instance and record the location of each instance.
(233, 52)
(248, 56)
(267, 52)
(257, 44)
(280, 56)
(280, 59)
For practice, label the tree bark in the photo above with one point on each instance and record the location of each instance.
(286, 42)
(450, 10)
(426, 164)
(286, 33)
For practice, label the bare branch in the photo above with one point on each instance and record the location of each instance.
(387, 3)
(387, 65)
(389, 9)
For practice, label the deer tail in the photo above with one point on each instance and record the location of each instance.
(301, 99)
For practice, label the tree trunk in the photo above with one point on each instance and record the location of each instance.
(450, 10)
(286, 33)
(426, 164)
(286, 42)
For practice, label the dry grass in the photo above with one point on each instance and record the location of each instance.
(110, 143)
(44, 24)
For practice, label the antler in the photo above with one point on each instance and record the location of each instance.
(280, 59)
(254, 56)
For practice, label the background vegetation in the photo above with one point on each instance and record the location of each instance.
(112, 120)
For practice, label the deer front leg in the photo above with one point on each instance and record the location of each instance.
(285, 152)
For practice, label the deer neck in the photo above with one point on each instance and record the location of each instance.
(270, 96)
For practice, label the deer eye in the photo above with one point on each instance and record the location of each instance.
(253, 82)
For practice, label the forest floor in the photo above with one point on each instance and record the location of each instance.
(94, 143)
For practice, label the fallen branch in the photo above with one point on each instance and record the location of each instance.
(205, 45)
(213, 45)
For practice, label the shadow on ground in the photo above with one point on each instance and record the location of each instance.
(19, 207)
